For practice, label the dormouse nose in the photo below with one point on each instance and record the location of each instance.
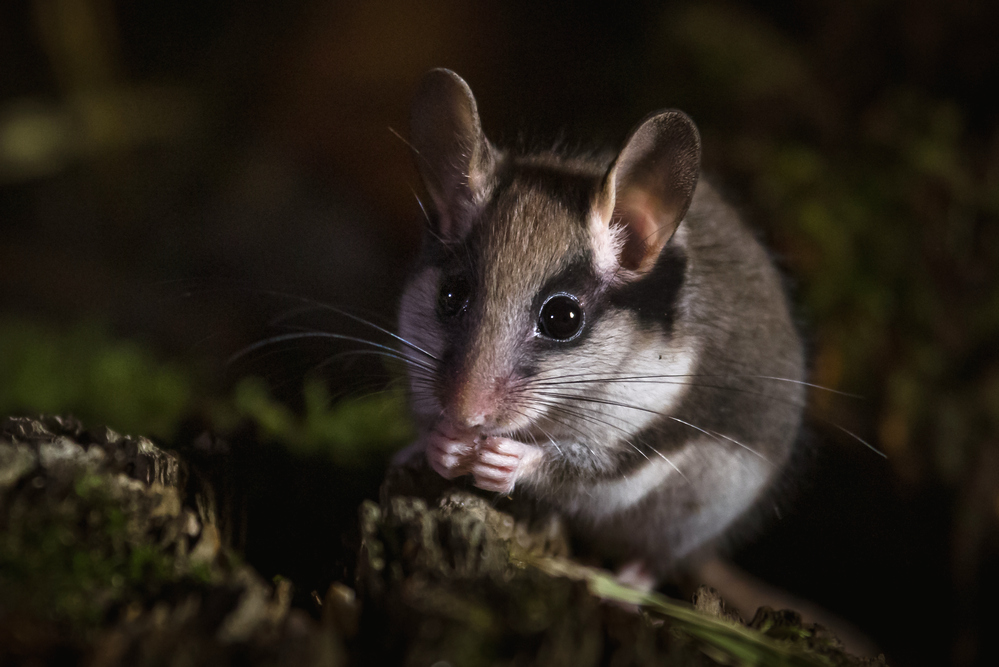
(475, 402)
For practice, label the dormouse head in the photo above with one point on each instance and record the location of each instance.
(534, 265)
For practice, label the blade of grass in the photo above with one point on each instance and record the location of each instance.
(743, 645)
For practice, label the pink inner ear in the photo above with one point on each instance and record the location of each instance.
(644, 223)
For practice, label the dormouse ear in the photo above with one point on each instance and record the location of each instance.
(453, 155)
(648, 188)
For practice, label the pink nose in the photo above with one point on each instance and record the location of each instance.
(474, 404)
(473, 420)
(470, 413)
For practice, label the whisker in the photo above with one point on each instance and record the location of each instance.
(627, 440)
(383, 349)
(550, 439)
(412, 363)
(340, 311)
(716, 435)
(301, 336)
(583, 415)
(740, 390)
(590, 378)
(640, 379)
(583, 435)
(423, 209)
(619, 404)
(857, 438)
(405, 141)
(537, 426)
(636, 448)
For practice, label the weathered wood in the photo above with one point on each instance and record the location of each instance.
(111, 553)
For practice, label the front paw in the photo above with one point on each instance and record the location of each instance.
(500, 462)
(448, 455)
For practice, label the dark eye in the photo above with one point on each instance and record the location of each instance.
(561, 317)
(453, 297)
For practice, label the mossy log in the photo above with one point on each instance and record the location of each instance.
(113, 552)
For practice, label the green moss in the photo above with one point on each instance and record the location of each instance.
(86, 372)
(351, 432)
(68, 555)
(103, 380)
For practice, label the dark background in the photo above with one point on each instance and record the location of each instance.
(164, 164)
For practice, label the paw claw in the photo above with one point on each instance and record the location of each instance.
(447, 457)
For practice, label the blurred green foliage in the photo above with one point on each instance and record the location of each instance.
(350, 432)
(885, 206)
(86, 372)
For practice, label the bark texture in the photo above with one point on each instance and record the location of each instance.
(113, 552)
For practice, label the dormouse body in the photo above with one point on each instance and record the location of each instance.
(605, 337)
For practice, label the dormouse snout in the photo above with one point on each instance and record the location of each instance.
(474, 402)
